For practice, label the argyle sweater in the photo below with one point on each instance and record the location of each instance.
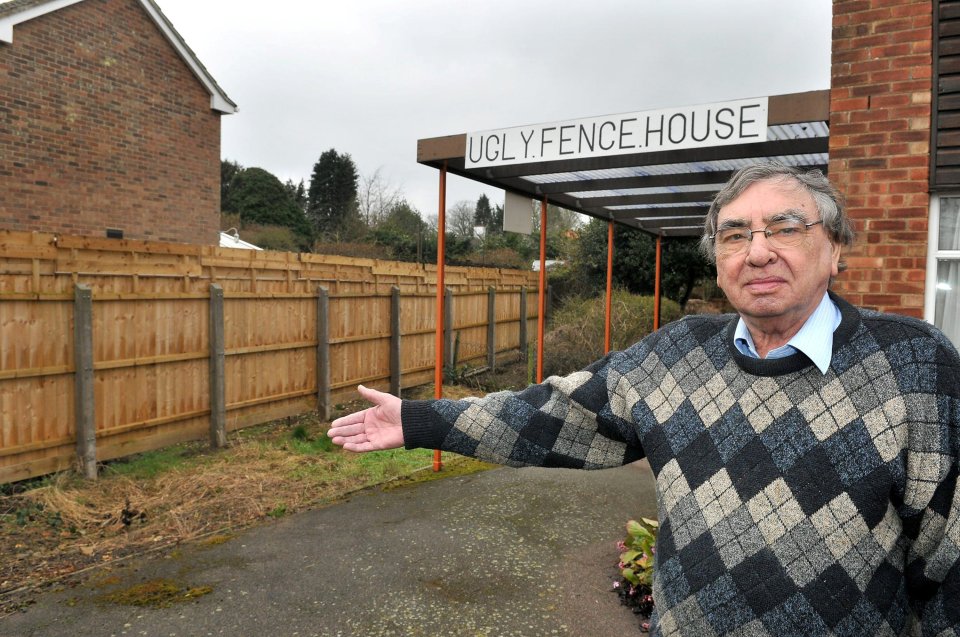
(790, 502)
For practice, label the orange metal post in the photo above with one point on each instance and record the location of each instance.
(542, 298)
(438, 344)
(656, 286)
(606, 327)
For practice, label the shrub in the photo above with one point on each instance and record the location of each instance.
(497, 258)
(636, 568)
(276, 238)
(568, 282)
(357, 250)
(576, 337)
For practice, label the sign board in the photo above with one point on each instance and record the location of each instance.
(517, 213)
(718, 124)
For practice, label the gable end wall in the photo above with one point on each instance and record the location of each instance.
(102, 125)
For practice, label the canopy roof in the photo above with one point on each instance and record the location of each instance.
(663, 192)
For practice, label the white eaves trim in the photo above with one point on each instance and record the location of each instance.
(218, 99)
(7, 24)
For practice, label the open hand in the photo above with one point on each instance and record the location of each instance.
(371, 429)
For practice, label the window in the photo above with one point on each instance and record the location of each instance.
(943, 266)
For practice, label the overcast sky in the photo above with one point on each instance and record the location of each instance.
(371, 77)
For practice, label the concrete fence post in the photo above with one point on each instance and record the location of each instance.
(395, 371)
(323, 353)
(491, 327)
(448, 328)
(218, 386)
(523, 323)
(83, 380)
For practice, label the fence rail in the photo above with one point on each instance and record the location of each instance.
(109, 348)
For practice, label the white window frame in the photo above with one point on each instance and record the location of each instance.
(933, 254)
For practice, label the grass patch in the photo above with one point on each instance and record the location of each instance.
(309, 446)
(278, 511)
(217, 540)
(158, 593)
(150, 464)
(452, 466)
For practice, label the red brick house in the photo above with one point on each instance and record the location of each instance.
(109, 125)
(895, 153)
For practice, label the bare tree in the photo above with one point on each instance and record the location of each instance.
(460, 219)
(376, 197)
(559, 220)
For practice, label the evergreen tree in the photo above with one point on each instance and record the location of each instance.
(298, 193)
(332, 198)
(496, 222)
(260, 198)
(483, 215)
(228, 170)
(404, 233)
(634, 261)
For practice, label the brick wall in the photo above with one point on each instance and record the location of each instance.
(879, 146)
(103, 125)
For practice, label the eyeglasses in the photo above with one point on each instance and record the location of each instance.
(779, 234)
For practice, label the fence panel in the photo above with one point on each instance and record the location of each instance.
(151, 363)
(270, 346)
(507, 311)
(150, 327)
(418, 320)
(470, 327)
(36, 386)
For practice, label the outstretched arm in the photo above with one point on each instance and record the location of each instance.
(374, 428)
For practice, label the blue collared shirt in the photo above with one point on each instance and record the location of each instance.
(815, 338)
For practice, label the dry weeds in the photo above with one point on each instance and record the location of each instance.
(67, 525)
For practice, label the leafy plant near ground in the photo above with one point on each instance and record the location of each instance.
(636, 568)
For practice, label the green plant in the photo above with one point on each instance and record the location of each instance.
(34, 512)
(636, 561)
(150, 464)
(302, 442)
(636, 568)
(300, 433)
(456, 374)
(278, 511)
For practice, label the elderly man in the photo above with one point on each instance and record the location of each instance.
(805, 451)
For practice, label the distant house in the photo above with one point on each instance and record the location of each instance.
(231, 239)
(109, 125)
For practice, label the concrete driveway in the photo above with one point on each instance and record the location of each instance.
(502, 553)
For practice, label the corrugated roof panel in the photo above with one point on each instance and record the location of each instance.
(667, 218)
(655, 206)
(711, 188)
(798, 131)
(607, 173)
(774, 133)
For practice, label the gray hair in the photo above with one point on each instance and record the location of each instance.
(828, 200)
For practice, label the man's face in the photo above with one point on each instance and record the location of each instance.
(776, 289)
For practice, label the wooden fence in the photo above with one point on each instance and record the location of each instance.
(139, 345)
